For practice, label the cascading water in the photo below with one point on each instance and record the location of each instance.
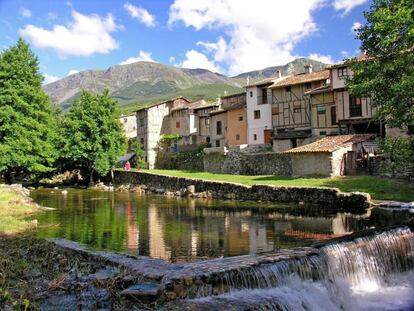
(368, 273)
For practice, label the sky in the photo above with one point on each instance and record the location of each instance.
(225, 36)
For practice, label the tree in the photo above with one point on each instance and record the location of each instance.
(27, 119)
(139, 154)
(94, 138)
(387, 73)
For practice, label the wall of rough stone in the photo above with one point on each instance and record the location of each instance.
(244, 163)
(326, 197)
(186, 161)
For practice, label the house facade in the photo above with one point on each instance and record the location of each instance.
(218, 128)
(152, 124)
(291, 108)
(235, 105)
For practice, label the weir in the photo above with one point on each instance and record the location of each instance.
(352, 275)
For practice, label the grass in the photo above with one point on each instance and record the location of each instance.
(13, 211)
(380, 189)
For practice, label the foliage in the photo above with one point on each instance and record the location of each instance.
(387, 75)
(400, 152)
(170, 138)
(379, 188)
(27, 119)
(139, 154)
(94, 138)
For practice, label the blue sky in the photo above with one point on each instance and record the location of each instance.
(227, 36)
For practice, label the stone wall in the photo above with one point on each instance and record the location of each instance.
(185, 161)
(244, 163)
(326, 197)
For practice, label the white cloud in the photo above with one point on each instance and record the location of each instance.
(85, 36)
(171, 59)
(140, 14)
(194, 60)
(346, 6)
(327, 59)
(258, 33)
(25, 12)
(72, 72)
(52, 16)
(49, 78)
(142, 57)
(356, 26)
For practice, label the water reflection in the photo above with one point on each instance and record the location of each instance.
(182, 230)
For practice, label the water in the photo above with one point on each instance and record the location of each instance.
(369, 273)
(181, 230)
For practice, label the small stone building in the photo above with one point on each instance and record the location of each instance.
(329, 156)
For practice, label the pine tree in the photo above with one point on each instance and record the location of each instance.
(93, 133)
(27, 119)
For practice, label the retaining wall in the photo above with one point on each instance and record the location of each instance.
(326, 197)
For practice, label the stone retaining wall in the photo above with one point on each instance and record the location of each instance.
(326, 197)
(243, 163)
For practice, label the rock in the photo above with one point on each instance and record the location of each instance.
(122, 188)
(143, 291)
(104, 274)
(191, 189)
(160, 191)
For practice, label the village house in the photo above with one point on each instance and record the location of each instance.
(151, 125)
(259, 112)
(323, 111)
(218, 127)
(235, 105)
(331, 156)
(291, 108)
(354, 115)
(129, 125)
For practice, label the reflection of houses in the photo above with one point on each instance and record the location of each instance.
(354, 115)
(291, 108)
(329, 156)
(151, 126)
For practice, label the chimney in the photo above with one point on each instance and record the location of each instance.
(278, 74)
(308, 68)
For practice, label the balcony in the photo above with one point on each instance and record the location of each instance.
(262, 100)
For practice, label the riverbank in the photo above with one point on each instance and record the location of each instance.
(380, 189)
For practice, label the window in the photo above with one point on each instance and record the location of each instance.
(355, 107)
(308, 85)
(141, 122)
(251, 94)
(217, 143)
(257, 114)
(240, 118)
(297, 108)
(219, 129)
(134, 128)
(237, 136)
(254, 137)
(207, 121)
(125, 120)
(342, 72)
(333, 115)
(264, 96)
(320, 109)
(410, 130)
(322, 133)
(275, 110)
(141, 142)
(177, 125)
(288, 88)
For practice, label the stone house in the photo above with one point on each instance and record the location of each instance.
(218, 127)
(354, 115)
(151, 125)
(329, 156)
(323, 111)
(291, 108)
(129, 125)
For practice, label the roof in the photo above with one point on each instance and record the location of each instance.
(234, 95)
(164, 102)
(201, 104)
(346, 62)
(262, 82)
(332, 143)
(236, 106)
(301, 78)
(219, 111)
(319, 90)
(126, 157)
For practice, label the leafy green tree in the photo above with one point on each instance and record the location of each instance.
(27, 119)
(94, 138)
(387, 74)
(139, 154)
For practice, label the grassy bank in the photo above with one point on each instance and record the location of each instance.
(379, 188)
(14, 207)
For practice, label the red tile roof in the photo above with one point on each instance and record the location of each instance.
(301, 78)
(332, 143)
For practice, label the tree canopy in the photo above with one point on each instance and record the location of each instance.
(387, 73)
(93, 136)
(27, 119)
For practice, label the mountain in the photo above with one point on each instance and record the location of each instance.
(294, 67)
(141, 83)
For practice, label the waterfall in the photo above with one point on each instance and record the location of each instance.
(373, 272)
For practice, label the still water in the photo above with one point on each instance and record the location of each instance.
(179, 230)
